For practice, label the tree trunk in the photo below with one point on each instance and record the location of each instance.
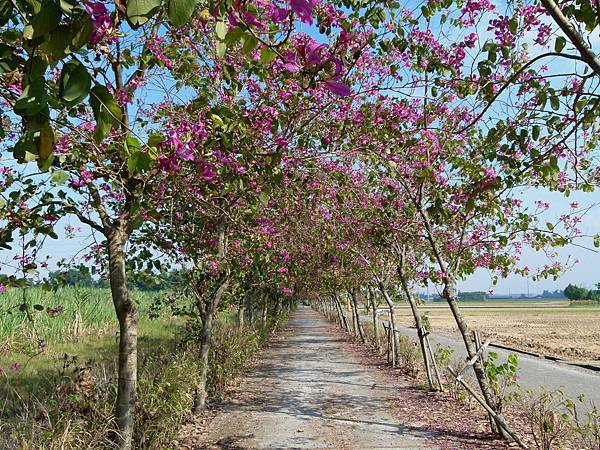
(240, 315)
(390, 304)
(127, 316)
(250, 310)
(343, 321)
(205, 345)
(374, 315)
(277, 308)
(350, 308)
(418, 323)
(209, 311)
(265, 310)
(355, 307)
(448, 294)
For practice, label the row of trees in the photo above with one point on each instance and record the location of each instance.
(381, 149)
(82, 277)
(574, 292)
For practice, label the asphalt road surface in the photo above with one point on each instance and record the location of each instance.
(533, 372)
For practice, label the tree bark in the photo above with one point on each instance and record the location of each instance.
(586, 52)
(127, 316)
(206, 340)
(448, 294)
(357, 317)
(343, 321)
(418, 322)
(250, 310)
(374, 316)
(390, 304)
(240, 315)
(209, 309)
(265, 310)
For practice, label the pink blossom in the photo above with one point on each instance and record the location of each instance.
(304, 9)
(338, 88)
(101, 21)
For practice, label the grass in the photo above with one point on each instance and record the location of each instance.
(61, 394)
(59, 316)
(35, 349)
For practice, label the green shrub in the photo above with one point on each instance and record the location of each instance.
(167, 380)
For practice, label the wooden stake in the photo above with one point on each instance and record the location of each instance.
(497, 417)
(433, 361)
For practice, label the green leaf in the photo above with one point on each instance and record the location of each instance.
(75, 82)
(267, 55)
(154, 139)
(6, 12)
(83, 30)
(132, 144)
(559, 44)
(597, 240)
(221, 30)
(33, 99)
(249, 44)
(24, 147)
(36, 67)
(263, 197)
(535, 133)
(68, 6)
(106, 111)
(140, 11)
(554, 103)
(233, 35)
(180, 11)
(54, 48)
(44, 21)
(139, 161)
(221, 49)
(59, 177)
(38, 307)
(549, 226)
(45, 142)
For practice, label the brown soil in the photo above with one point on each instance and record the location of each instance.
(568, 333)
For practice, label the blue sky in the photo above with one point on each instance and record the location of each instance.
(585, 273)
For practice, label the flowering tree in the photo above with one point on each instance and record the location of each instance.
(394, 131)
(103, 161)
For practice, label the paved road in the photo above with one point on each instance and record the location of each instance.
(533, 372)
(311, 392)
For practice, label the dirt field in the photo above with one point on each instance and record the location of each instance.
(547, 327)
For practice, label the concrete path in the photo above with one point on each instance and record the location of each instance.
(310, 392)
